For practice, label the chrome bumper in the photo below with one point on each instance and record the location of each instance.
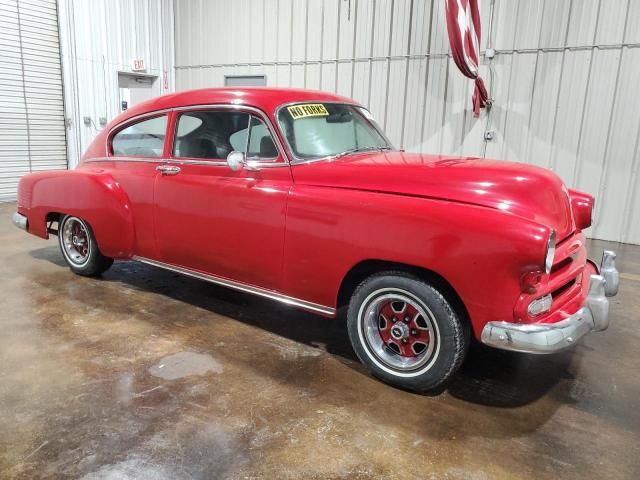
(553, 337)
(20, 221)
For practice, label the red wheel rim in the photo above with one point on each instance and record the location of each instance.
(399, 331)
(403, 328)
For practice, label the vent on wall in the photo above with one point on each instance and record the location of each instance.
(245, 80)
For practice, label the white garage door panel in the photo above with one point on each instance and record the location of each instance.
(32, 131)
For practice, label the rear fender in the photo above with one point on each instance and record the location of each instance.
(92, 195)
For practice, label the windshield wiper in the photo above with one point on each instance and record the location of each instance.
(362, 149)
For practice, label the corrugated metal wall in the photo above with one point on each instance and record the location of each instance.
(32, 133)
(98, 39)
(565, 79)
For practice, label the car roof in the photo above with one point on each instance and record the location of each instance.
(267, 99)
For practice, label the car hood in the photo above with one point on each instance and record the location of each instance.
(515, 188)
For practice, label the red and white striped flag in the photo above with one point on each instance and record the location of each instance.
(463, 25)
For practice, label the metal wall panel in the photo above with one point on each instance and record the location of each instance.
(564, 79)
(98, 39)
(32, 133)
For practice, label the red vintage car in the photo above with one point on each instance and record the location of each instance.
(299, 197)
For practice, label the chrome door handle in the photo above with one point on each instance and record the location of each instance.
(168, 169)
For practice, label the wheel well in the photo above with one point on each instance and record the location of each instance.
(366, 268)
(50, 219)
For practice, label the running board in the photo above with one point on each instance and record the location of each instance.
(243, 287)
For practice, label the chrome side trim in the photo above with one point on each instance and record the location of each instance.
(20, 221)
(243, 287)
(207, 163)
(127, 159)
(552, 337)
(225, 106)
(185, 161)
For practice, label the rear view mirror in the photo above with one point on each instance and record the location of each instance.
(340, 117)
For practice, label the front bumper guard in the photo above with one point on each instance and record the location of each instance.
(553, 337)
(610, 273)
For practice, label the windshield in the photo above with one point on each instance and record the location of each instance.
(319, 130)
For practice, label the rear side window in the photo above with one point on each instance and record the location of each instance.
(142, 139)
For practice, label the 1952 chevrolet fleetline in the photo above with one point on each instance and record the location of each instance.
(298, 196)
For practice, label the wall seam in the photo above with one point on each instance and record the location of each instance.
(386, 91)
(321, 44)
(335, 83)
(426, 77)
(605, 164)
(506, 110)
(406, 77)
(578, 167)
(24, 85)
(373, 30)
(355, 31)
(306, 42)
(533, 89)
(554, 150)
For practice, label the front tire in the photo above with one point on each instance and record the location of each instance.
(80, 249)
(405, 331)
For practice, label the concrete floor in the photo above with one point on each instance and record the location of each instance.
(149, 375)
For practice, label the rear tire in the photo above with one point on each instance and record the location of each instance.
(80, 249)
(405, 331)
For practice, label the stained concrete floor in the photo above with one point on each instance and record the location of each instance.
(149, 375)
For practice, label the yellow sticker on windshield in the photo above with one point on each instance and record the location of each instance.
(308, 110)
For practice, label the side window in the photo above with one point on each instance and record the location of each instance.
(260, 142)
(210, 134)
(142, 139)
(239, 139)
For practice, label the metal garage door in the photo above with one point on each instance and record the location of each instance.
(32, 131)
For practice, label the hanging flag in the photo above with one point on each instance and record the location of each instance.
(463, 25)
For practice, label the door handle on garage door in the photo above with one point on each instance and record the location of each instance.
(168, 169)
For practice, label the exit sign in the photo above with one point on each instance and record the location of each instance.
(138, 65)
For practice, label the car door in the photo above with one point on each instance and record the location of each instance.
(215, 220)
(135, 149)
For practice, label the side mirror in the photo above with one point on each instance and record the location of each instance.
(236, 160)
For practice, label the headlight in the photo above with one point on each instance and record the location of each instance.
(551, 252)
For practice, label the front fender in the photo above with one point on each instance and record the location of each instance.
(480, 252)
(92, 195)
